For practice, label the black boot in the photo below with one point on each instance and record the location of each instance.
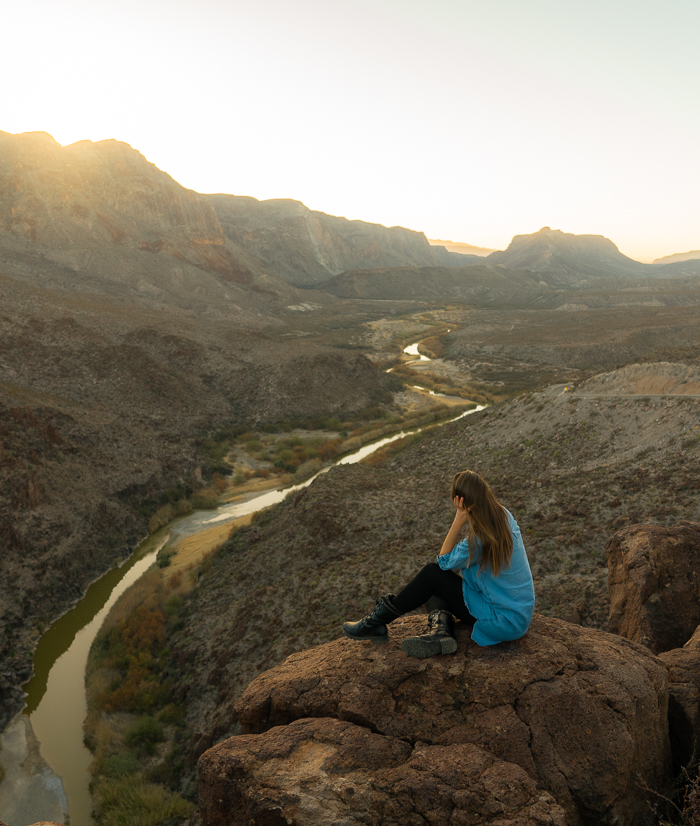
(373, 626)
(438, 639)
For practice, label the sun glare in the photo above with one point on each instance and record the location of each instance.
(473, 125)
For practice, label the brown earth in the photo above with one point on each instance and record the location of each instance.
(660, 379)
(572, 470)
(516, 350)
(102, 412)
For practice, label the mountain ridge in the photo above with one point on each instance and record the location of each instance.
(678, 257)
(103, 209)
(565, 255)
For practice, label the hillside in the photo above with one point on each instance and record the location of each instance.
(564, 258)
(460, 247)
(572, 468)
(474, 284)
(101, 217)
(102, 413)
(678, 257)
(306, 247)
(510, 348)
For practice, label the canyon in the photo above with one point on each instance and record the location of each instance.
(140, 319)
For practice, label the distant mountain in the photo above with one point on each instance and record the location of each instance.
(532, 268)
(99, 218)
(461, 248)
(103, 194)
(306, 247)
(678, 257)
(567, 258)
(100, 213)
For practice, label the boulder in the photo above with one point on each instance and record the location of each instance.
(684, 699)
(322, 771)
(654, 584)
(562, 723)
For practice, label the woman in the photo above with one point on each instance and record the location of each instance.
(493, 591)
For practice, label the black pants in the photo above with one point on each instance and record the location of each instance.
(437, 590)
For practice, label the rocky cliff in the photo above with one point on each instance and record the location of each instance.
(572, 469)
(566, 726)
(557, 728)
(101, 411)
(96, 194)
(100, 212)
(306, 247)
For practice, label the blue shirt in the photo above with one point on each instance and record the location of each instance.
(501, 605)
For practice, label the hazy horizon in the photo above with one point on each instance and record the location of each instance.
(467, 122)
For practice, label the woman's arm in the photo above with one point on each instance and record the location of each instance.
(460, 520)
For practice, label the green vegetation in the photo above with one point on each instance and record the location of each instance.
(144, 734)
(392, 449)
(136, 802)
(135, 729)
(302, 447)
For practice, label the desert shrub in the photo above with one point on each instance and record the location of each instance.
(183, 506)
(129, 648)
(308, 469)
(134, 802)
(122, 764)
(330, 449)
(164, 557)
(355, 443)
(172, 713)
(175, 581)
(144, 734)
(174, 603)
(161, 517)
(682, 805)
(204, 501)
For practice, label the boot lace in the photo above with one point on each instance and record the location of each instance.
(433, 621)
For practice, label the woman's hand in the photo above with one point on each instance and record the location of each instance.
(462, 513)
(460, 520)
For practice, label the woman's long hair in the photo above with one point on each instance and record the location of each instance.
(488, 521)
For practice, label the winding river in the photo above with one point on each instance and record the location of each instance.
(56, 703)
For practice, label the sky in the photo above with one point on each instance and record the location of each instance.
(470, 121)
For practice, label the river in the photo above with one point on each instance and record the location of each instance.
(56, 703)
